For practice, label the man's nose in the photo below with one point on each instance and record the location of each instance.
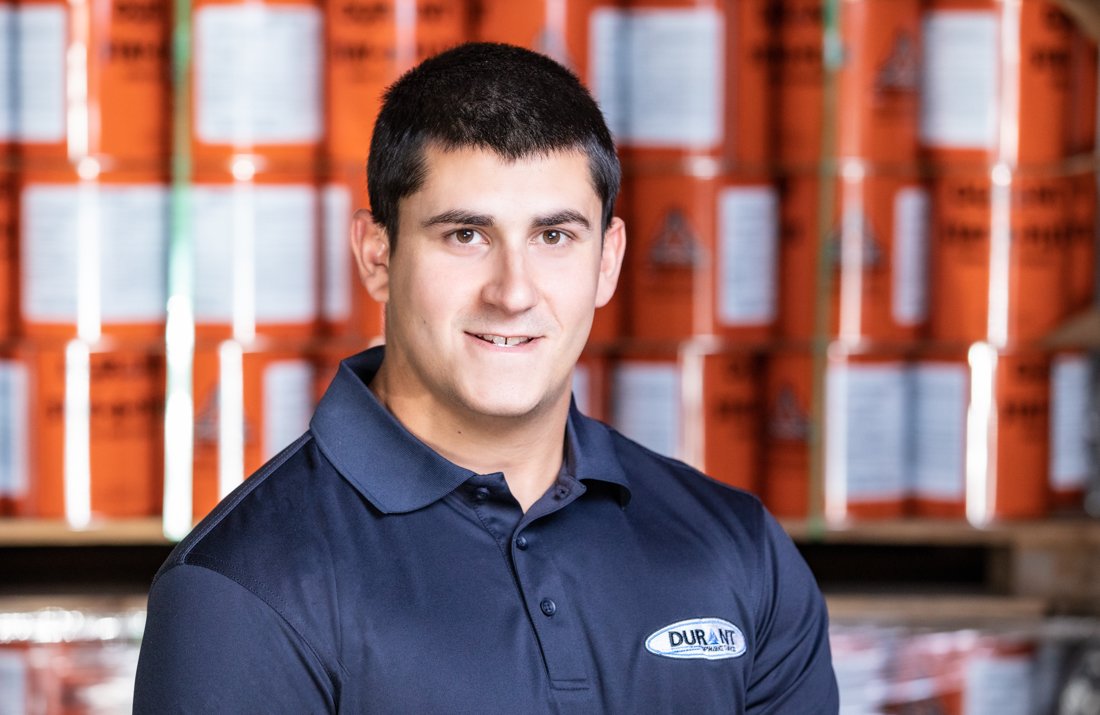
(511, 285)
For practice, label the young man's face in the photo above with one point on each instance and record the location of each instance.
(491, 288)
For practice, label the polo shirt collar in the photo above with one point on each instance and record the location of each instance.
(397, 472)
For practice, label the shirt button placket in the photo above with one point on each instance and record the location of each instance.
(556, 627)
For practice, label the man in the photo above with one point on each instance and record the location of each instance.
(451, 536)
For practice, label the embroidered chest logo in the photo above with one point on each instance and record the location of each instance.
(707, 638)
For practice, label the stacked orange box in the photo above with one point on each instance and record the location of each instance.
(982, 431)
(787, 417)
(879, 289)
(703, 256)
(89, 215)
(249, 405)
(256, 216)
(257, 130)
(683, 86)
(96, 435)
(855, 237)
(118, 110)
(700, 402)
(686, 88)
(1013, 238)
(556, 28)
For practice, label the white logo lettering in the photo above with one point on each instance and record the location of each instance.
(707, 638)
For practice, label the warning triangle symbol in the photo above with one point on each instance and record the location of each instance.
(789, 421)
(675, 244)
(871, 254)
(900, 71)
(206, 418)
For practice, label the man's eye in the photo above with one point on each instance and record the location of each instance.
(553, 237)
(466, 235)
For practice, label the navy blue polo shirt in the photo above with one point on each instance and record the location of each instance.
(360, 571)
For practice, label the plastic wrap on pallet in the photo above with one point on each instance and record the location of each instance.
(59, 661)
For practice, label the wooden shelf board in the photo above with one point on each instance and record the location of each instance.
(99, 603)
(935, 609)
(1054, 531)
(49, 532)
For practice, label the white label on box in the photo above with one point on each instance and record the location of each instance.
(1069, 422)
(13, 683)
(8, 89)
(135, 252)
(14, 412)
(647, 405)
(582, 383)
(48, 254)
(911, 241)
(258, 74)
(337, 251)
(288, 403)
(748, 232)
(275, 225)
(129, 223)
(40, 71)
(608, 73)
(998, 685)
(959, 80)
(866, 432)
(676, 82)
(940, 397)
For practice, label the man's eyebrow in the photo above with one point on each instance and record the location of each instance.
(561, 217)
(458, 216)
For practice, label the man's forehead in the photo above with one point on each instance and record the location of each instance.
(466, 172)
(436, 155)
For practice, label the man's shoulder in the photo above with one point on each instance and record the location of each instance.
(273, 515)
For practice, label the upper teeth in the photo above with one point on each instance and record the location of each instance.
(501, 340)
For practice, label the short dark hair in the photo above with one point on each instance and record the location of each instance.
(514, 102)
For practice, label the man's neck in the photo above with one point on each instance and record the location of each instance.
(528, 449)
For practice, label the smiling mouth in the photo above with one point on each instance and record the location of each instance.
(503, 341)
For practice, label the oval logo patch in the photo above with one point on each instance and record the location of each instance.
(707, 638)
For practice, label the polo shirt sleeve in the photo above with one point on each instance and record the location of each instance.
(792, 669)
(211, 645)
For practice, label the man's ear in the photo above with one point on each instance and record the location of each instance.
(611, 261)
(370, 246)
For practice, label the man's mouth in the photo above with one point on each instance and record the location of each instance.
(502, 340)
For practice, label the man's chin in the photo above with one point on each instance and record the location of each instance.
(510, 405)
(502, 410)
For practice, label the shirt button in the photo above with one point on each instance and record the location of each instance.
(481, 494)
(548, 607)
(521, 543)
(561, 492)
